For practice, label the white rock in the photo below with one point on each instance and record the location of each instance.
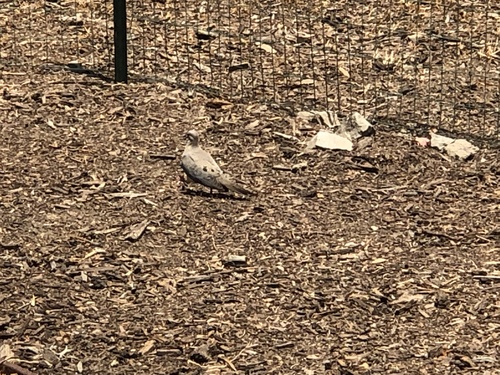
(326, 140)
(461, 149)
(306, 115)
(423, 142)
(364, 127)
(440, 141)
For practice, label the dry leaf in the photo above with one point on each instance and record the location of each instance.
(134, 232)
(252, 125)
(266, 47)
(148, 345)
(6, 354)
(344, 72)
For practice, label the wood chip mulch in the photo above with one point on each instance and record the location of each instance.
(107, 266)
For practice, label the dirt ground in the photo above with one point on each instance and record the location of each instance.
(383, 260)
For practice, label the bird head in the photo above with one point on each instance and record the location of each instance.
(192, 137)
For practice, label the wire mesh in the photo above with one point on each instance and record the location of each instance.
(407, 62)
(50, 34)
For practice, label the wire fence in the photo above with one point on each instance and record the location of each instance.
(419, 63)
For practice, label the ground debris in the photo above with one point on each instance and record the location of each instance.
(135, 231)
(461, 149)
(201, 354)
(235, 260)
(340, 262)
(458, 148)
(326, 140)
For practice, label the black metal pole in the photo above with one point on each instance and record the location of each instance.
(120, 24)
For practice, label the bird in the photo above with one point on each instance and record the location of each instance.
(200, 167)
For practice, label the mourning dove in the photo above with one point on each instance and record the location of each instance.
(200, 167)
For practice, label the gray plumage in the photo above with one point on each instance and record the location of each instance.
(200, 167)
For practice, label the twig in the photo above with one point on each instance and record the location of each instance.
(162, 157)
(12, 368)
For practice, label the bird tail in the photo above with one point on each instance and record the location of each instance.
(233, 186)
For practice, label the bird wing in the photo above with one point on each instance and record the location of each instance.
(229, 184)
(201, 167)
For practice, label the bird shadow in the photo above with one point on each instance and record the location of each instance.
(219, 195)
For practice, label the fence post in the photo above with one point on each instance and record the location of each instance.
(120, 25)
